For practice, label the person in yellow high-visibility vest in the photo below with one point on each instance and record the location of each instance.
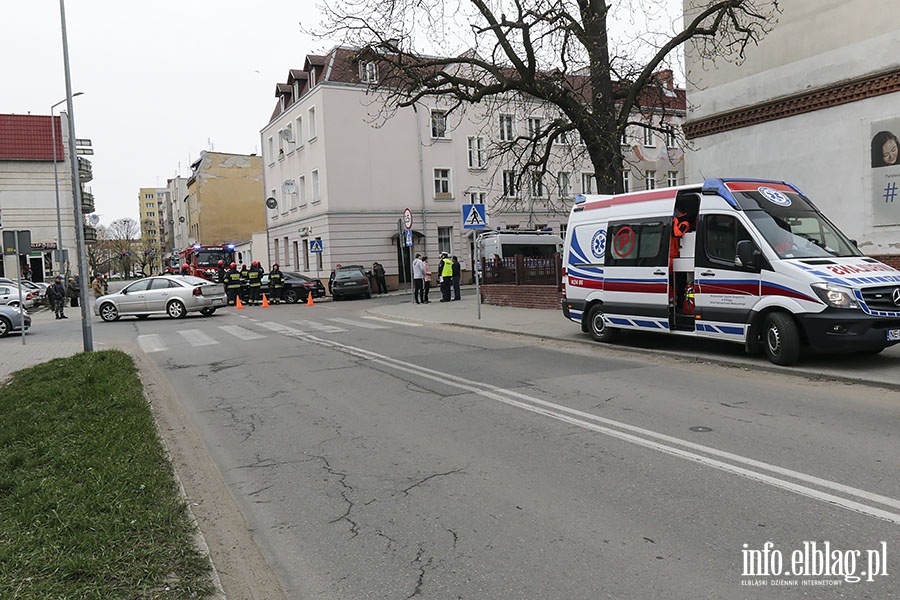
(445, 271)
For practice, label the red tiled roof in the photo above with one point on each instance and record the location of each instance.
(29, 137)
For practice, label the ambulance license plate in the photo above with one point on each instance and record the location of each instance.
(893, 335)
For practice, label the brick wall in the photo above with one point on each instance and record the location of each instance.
(523, 296)
(889, 259)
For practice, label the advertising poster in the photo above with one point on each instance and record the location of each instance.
(885, 161)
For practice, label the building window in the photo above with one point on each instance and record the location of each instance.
(588, 183)
(670, 137)
(534, 127)
(296, 254)
(270, 146)
(441, 183)
(444, 235)
(305, 255)
(649, 180)
(275, 241)
(507, 131)
(315, 187)
(368, 73)
(509, 184)
(298, 129)
(563, 138)
(312, 123)
(649, 138)
(438, 124)
(292, 192)
(301, 190)
(626, 181)
(148, 205)
(672, 178)
(626, 136)
(564, 184)
(476, 152)
(537, 185)
(477, 197)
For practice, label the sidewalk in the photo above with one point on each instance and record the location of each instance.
(881, 369)
(47, 339)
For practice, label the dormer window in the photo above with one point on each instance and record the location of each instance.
(368, 73)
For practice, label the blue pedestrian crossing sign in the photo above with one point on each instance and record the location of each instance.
(409, 237)
(315, 245)
(473, 216)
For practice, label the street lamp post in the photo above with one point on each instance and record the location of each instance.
(86, 331)
(59, 244)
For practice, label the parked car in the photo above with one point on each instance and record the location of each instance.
(297, 287)
(173, 295)
(350, 280)
(11, 295)
(11, 320)
(27, 284)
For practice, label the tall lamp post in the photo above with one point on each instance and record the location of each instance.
(59, 244)
(86, 332)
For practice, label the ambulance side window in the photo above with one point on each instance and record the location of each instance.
(720, 235)
(638, 243)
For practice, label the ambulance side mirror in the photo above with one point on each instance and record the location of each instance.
(747, 256)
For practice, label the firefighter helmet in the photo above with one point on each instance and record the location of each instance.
(221, 262)
(185, 266)
(233, 265)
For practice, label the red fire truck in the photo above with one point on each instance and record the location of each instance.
(203, 261)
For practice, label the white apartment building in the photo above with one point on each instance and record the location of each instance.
(341, 173)
(807, 105)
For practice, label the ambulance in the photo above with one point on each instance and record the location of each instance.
(741, 260)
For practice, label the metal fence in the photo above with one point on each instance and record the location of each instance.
(521, 270)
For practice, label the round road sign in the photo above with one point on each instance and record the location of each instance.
(407, 218)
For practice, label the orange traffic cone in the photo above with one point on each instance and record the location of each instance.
(238, 303)
(265, 303)
(309, 299)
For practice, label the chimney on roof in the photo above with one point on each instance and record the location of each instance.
(667, 78)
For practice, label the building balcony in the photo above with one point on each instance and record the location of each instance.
(85, 170)
(87, 202)
(90, 235)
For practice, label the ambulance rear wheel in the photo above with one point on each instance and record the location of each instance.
(781, 339)
(597, 327)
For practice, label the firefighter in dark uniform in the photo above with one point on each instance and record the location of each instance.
(232, 283)
(276, 284)
(254, 278)
(185, 269)
(245, 291)
(220, 272)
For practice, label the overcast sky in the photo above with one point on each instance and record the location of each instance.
(162, 80)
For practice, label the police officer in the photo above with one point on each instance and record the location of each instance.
(254, 281)
(276, 284)
(220, 272)
(232, 283)
(445, 270)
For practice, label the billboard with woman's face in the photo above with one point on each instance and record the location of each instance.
(885, 161)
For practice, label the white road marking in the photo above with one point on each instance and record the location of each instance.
(404, 323)
(358, 323)
(195, 337)
(152, 342)
(241, 332)
(642, 437)
(320, 326)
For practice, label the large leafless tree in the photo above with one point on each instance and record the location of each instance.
(563, 53)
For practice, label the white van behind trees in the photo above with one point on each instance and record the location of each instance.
(531, 244)
(741, 260)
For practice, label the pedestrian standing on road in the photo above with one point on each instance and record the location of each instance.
(245, 282)
(276, 284)
(380, 281)
(445, 274)
(457, 273)
(427, 280)
(97, 287)
(232, 283)
(105, 281)
(57, 295)
(26, 272)
(418, 279)
(73, 291)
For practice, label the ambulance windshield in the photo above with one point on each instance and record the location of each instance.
(792, 227)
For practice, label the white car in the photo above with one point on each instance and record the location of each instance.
(11, 295)
(173, 295)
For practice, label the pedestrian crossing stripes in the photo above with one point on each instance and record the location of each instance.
(196, 338)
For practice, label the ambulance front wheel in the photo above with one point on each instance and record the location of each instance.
(781, 339)
(599, 330)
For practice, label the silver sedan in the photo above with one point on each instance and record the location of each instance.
(173, 295)
(11, 320)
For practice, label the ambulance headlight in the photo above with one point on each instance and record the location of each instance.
(835, 296)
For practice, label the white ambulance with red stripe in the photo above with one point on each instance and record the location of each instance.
(742, 260)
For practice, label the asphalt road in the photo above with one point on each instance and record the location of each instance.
(376, 459)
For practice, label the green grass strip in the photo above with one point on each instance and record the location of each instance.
(89, 507)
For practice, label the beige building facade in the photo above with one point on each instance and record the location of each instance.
(807, 106)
